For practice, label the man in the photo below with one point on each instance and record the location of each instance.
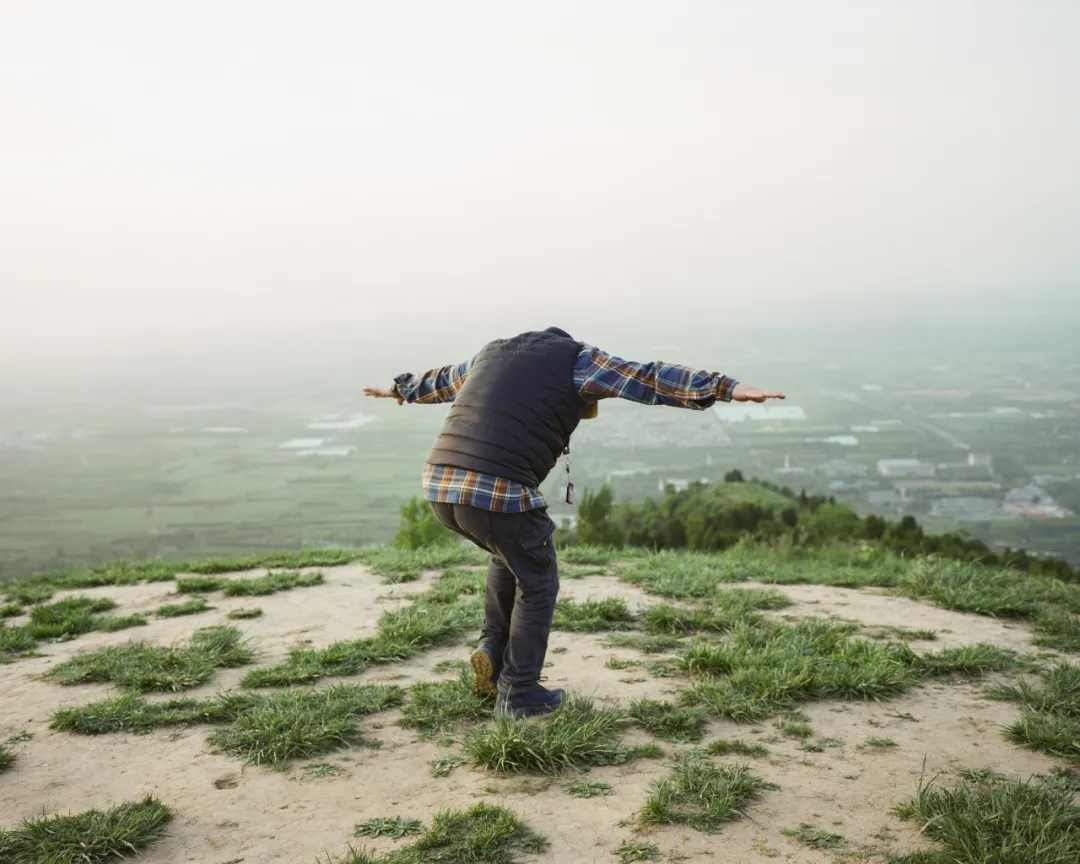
(516, 404)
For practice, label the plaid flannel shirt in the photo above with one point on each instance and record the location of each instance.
(597, 375)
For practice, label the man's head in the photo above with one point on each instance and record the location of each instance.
(556, 331)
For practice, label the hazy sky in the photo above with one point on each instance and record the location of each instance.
(392, 168)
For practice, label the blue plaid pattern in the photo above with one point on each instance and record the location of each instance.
(598, 375)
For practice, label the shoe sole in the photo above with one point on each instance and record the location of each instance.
(483, 673)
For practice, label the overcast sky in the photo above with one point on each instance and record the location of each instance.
(211, 166)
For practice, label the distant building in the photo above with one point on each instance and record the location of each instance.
(842, 468)
(904, 468)
(787, 469)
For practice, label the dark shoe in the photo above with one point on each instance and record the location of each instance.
(529, 703)
(486, 667)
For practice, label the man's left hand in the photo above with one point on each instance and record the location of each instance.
(746, 393)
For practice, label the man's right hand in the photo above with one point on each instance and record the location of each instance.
(382, 393)
(746, 393)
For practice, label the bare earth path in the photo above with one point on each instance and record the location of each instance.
(228, 813)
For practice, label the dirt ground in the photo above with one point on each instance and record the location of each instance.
(228, 813)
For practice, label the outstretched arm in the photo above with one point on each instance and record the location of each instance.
(435, 385)
(600, 376)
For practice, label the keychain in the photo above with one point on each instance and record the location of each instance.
(569, 485)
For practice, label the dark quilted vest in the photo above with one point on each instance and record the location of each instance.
(517, 410)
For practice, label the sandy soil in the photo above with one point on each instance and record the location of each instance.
(227, 813)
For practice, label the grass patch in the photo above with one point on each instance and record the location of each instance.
(724, 746)
(200, 584)
(616, 663)
(318, 770)
(383, 827)
(645, 644)
(144, 668)
(799, 731)
(879, 744)
(300, 724)
(191, 607)
(914, 635)
(73, 616)
(259, 586)
(405, 565)
(19, 737)
(403, 633)
(483, 834)
(638, 852)
(1055, 628)
(444, 767)
(972, 661)
(764, 667)
(439, 705)
(815, 838)
(1028, 822)
(589, 789)
(702, 795)
(592, 616)
(10, 610)
(91, 837)
(1051, 720)
(1000, 592)
(243, 614)
(7, 758)
(136, 715)
(645, 751)
(575, 735)
(674, 723)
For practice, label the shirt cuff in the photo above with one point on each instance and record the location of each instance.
(725, 388)
(402, 392)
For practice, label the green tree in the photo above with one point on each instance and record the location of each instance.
(418, 527)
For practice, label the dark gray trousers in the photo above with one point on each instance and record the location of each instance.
(522, 584)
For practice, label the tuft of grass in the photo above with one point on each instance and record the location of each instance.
(702, 795)
(296, 724)
(241, 614)
(1000, 592)
(7, 758)
(645, 644)
(10, 610)
(983, 775)
(200, 584)
(645, 751)
(144, 668)
(915, 635)
(15, 641)
(401, 634)
(318, 770)
(638, 852)
(405, 565)
(191, 607)
(592, 616)
(879, 743)
(589, 789)
(485, 834)
(763, 667)
(30, 593)
(971, 660)
(616, 663)
(1056, 628)
(724, 746)
(665, 620)
(136, 715)
(91, 837)
(575, 735)
(439, 705)
(19, 737)
(668, 722)
(1051, 720)
(1031, 821)
(444, 767)
(384, 827)
(259, 586)
(73, 616)
(282, 559)
(815, 838)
